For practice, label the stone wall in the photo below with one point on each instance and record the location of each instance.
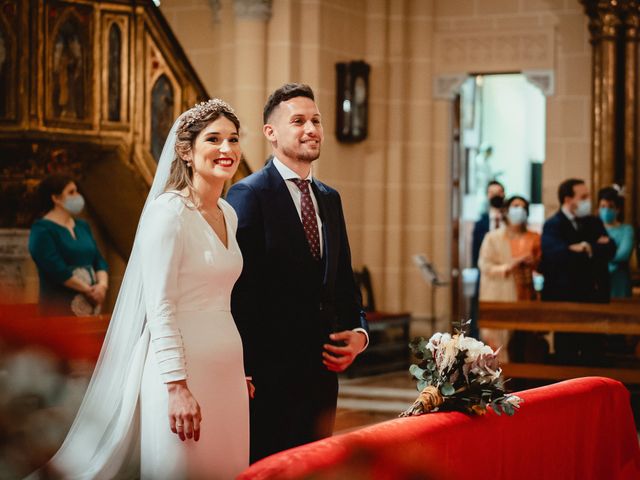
(396, 184)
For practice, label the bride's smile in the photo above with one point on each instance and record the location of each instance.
(216, 150)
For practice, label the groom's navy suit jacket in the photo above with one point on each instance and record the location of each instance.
(285, 303)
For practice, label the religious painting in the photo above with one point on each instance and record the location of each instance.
(8, 55)
(114, 81)
(4, 74)
(162, 113)
(352, 101)
(69, 62)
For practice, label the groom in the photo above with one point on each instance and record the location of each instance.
(296, 304)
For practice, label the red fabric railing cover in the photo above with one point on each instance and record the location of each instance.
(577, 429)
(70, 338)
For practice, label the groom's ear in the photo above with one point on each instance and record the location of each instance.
(268, 132)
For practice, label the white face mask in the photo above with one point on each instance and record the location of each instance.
(517, 215)
(74, 204)
(584, 208)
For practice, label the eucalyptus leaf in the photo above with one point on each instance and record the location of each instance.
(416, 371)
(447, 389)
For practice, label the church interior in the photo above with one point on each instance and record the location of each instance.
(425, 104)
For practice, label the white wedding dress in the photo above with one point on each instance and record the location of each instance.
(172, 321)
(188, 275)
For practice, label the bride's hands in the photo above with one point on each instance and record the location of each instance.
(184, 411)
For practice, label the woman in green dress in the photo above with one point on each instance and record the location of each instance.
(610, 207)
(73, 273)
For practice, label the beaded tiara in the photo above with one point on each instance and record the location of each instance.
(204, 109)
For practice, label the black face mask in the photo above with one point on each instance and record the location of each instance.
(497, 201)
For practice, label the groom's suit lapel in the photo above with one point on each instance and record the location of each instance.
(286, 216)
(289, 219)
(329, 224)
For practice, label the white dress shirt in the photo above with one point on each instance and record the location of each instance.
(296, 196)
(570, 216)
(495, 214)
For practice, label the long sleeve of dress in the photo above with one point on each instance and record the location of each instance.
(490, 260)
(45, 254)
(624, 241)
(161, 252)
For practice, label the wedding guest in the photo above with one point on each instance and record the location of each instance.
(508, 256)
(575, 252)
(73, 273)
(488, 221)
(507, 259)
(296, 303)
(610, 208)
(575, 249)
(491, 219)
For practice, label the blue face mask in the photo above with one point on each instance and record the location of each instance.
(74, 204)
(608, 215)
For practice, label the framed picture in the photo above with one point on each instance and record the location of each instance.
(352, 101)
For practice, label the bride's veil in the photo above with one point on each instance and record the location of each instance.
(104, 435)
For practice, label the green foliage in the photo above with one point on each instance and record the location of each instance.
(463, 388)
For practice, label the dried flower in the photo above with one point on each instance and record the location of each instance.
(458, 373)
(479, 409)
(431, 398)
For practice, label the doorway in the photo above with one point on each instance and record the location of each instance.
(498, 134)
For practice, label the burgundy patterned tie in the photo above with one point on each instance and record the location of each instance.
(309, 221)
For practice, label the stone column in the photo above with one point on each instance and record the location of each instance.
(632, 37)
(250, 63)
(604, 26)
(595, 28)
(615, 34)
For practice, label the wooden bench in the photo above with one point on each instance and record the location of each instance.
(618, 317)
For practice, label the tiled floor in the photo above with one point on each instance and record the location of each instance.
(368, 400)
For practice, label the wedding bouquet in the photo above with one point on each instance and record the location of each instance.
(458, 373)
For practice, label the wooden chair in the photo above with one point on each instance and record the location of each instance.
(388, 348)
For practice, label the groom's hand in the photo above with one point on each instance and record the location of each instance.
(338, 359)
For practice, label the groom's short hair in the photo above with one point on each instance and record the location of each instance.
(284, 93)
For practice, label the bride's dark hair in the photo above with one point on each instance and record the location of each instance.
(193, 122)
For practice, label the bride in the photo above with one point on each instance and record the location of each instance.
(168, 398)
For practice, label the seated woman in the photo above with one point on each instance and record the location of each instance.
(73, 273)
(508, 257)
(611, 205)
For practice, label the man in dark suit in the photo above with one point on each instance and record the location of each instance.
(575, 254)
(296, 304)
(575, 249)
(489, 220)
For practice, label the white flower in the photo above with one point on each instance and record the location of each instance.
(475, 348)
(437, 340)
(514, 400)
